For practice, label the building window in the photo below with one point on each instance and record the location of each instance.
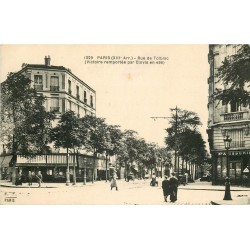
(85, 96)
(38, 82)
(69, 87)
(77, 92)
(54, 83)
(63, 105)
(78, 111)
(63, 81)
(69, 106)
(235, 106)
(54, 105)
(91, 101)
(237, 136)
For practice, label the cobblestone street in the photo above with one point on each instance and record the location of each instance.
(138, 192)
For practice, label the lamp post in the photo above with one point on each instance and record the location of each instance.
(227, 196)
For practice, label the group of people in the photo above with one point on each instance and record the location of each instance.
(30, 178)
(170, 188)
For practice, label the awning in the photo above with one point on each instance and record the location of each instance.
(5, 160)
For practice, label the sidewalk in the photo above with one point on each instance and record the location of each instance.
(4, 183)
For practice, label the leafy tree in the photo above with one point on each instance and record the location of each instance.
(99, 139)
(69, 134)
(235, 74)
(24, 121)
(180, 121)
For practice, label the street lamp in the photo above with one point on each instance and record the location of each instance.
(227, 196)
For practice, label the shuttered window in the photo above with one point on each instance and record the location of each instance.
(54, 104)
(237, 136)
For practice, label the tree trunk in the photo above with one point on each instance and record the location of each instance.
(182, 165)
(14, 170)
(67, 171)
(74, 169)
(93, 172)
(106, 162)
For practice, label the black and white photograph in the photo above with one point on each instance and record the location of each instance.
(125, 124)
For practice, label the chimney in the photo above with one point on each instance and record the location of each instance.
(47, 60)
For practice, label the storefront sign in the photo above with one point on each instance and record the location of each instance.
(235, 153)
(246, 170)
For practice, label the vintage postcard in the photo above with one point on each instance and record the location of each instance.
(124, 124)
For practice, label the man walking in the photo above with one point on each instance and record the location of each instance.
(39, 178)
(165, 188)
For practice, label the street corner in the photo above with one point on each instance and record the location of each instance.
(239, 200)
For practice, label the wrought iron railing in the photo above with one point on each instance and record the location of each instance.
(233, 116)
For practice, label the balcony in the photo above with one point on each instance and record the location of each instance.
(38, 87)
(54, 88)
(235, 116)
(55, 109)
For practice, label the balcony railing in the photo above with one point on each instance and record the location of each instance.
(56, 109)
(54, 88)
(38, 87)
(237, 144)
(233, 116)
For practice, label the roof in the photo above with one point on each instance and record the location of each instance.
(52, 67)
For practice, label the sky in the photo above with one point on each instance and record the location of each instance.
(129, 94)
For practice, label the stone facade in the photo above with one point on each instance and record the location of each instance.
(232, 119)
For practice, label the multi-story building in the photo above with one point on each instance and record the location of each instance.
(232, 119)
(63, 91)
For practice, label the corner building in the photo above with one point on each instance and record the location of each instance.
(64, 91)
(232, 119)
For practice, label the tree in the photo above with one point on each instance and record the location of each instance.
(24, 121)
(98, 137)
(235, 75)
(180, 121)
(127, 152)
(69, 134)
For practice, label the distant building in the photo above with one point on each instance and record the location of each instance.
(64, 91)
(232, 119)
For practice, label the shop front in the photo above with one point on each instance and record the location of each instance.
(239, 162)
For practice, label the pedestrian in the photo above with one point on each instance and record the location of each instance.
(165, 188)
(186, 175)
(173, 184)
(30, 178)
(39, 178)
(113, 181)
(19, 179)
(154, 181)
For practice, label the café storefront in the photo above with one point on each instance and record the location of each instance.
(53, 167)
(239, 164)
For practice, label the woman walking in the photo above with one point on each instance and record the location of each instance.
(113, 181)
